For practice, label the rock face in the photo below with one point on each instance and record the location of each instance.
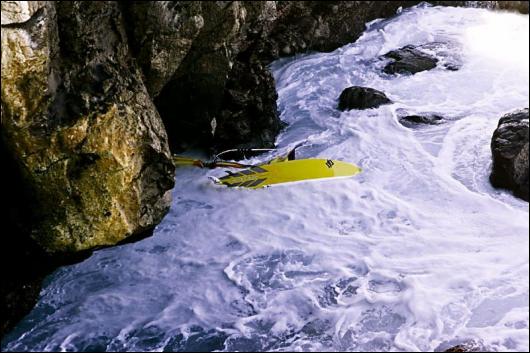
(409, 60)
(509, 147)
(356, 97)
(222, 95)
(205, 63)
(84, 154)
(161, 34)
(519, 6)
(81, 126)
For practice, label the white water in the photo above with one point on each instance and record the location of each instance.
(417, 253)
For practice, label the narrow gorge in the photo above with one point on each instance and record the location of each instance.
(430, 99)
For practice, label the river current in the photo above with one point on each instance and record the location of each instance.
(416, 253)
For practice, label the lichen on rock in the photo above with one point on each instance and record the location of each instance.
(79, 121)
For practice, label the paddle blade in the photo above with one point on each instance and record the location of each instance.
(185, 161)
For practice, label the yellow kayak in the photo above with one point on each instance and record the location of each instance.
(288, 171)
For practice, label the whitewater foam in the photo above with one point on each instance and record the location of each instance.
(417, 253)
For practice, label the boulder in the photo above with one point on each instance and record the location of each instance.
(78, 121)
(409, 60)
(357, 97)
(464, 348)
(509, 147)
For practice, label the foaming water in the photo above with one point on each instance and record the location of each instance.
(417, 253)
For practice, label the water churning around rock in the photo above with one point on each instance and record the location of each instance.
(417, 253)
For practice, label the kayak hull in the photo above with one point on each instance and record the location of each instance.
(288, 171)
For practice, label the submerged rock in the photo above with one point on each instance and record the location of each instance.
(421, 119)
(409, 60)
(464, 348)
(466, 345)
(509, 147)
(356, 97)
(448, 53)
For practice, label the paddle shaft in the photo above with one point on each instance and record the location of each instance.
(181, 161)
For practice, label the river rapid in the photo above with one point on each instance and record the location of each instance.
(416, 253)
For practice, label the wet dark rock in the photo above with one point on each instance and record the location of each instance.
(509, 147)
(452, 67)
(519, 6)
(356, 97)
(221, 94)
(421, 119)
(412, 59)
(459, 348)
(468, 346)
(449, 54)
(249, 93)
(463, 345)
(409, 60)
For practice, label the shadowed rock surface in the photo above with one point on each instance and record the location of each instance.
(222, 94)
(356, 97)
(509, 147)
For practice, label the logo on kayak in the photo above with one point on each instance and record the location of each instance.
(329, 163)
